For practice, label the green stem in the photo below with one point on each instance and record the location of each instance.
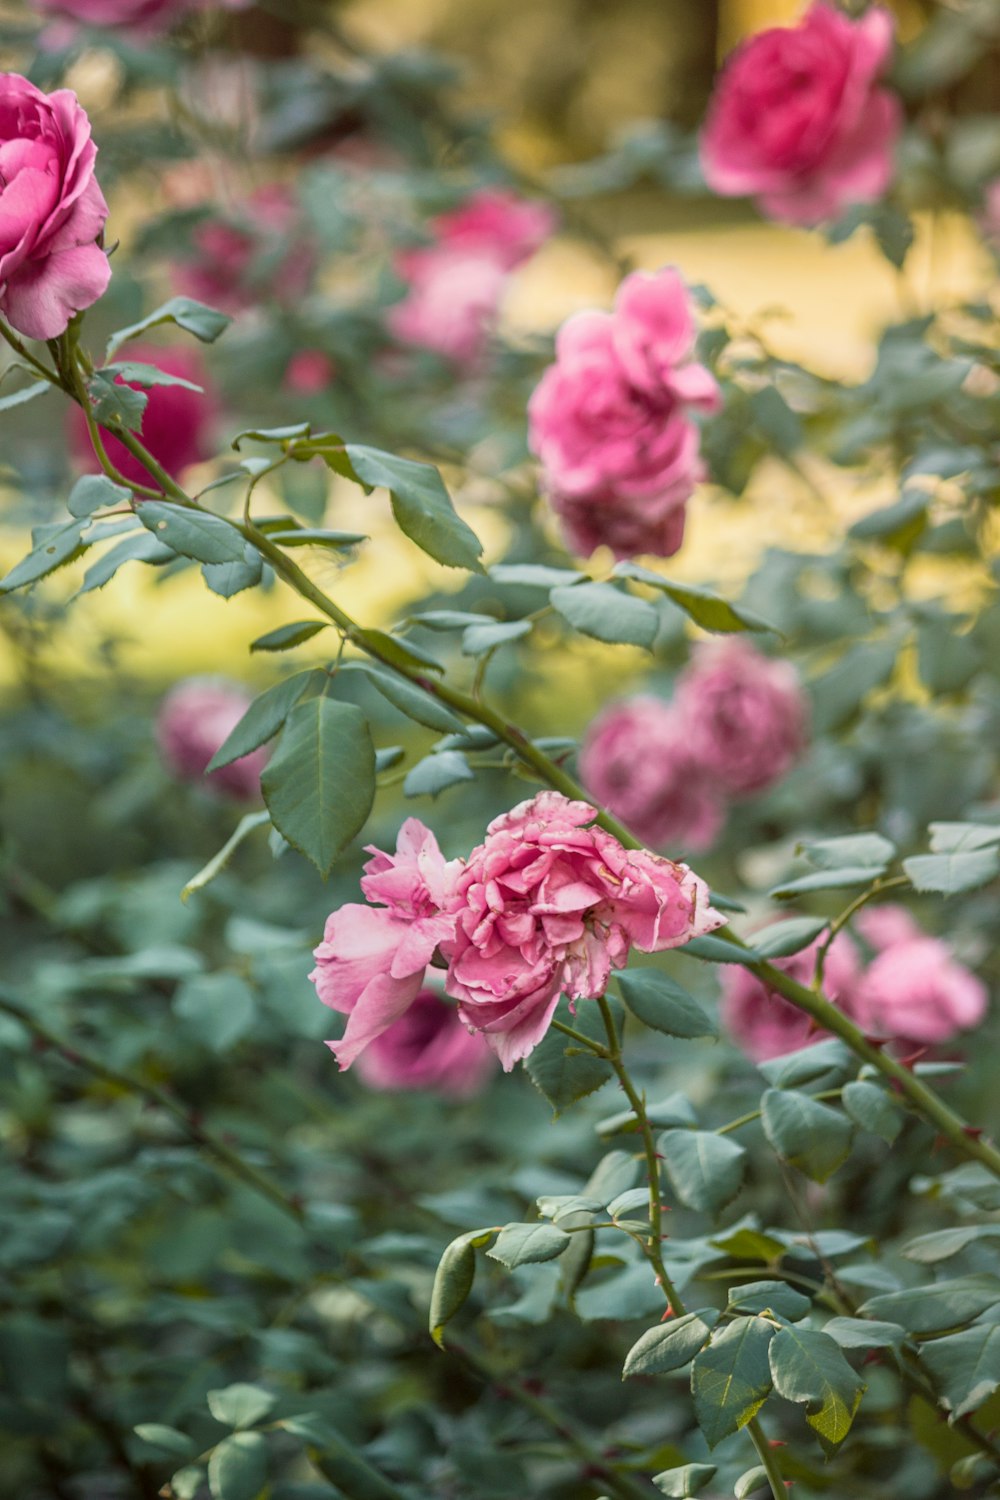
(838, 923)
(597, 1048)
(768, 1459)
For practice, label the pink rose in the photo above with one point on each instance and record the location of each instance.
(249, 255)
(175, 423)
(885, 926)
(52, 211)
(763, 1023)
(309, 372)
(914, 990)
(638, 762)
(547, 905)
(427, 1048)
(195, 719)
(745, 714)
(798, 120)
(370, 965)
(137, 15)
(498, 223)
(610, 420)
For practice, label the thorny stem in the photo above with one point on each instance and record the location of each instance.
(878, 888)
(768, 1459)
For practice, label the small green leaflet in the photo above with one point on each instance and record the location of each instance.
(264, 717)
(686, 1480)
(808, 1367)
(421, 505)
(527, 1244)
(805, 1133)
(705, 1169)
(731, 1379)
(285, 637)
(193, 533)
(241, 1405)
(664, 1005)
(54, 547)
(194, 317)
(671, 1345)
(319, 785)
(453, 1280)
(706, 609)
(606, 613)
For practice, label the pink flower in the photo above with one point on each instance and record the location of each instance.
(309, 372)
(498, 223)
(763, 1023)
(548, 905)
(195, 718)
(427, 1048)
(175, 423)
(798, 120)
(137, 15)
(638, 762)
(885, 926)
(52, 211)
(914, 990)
(610, 421)
(370, 965)
(745, 714)
(250, 255)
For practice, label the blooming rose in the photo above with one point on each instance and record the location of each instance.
(496, 222)
(52, 211)
(547, 905)
(610, 419)
(763, 1023)
(914, 990)
(195, 719)
(798, 120)
(745, 714)
(249, 254)
(371, 962)
(138, 15)
(638, 762)
(885, 926)
(175, 423)
(427, 1048)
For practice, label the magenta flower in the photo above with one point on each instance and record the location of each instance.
(798, 120)
(611, 424)
(249, 255)
(428, 1048)
(194, 720)
(175, 424)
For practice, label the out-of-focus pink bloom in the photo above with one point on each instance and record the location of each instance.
(548, 905)
(428, 1048)
(309, 372)
(885, 926)
(763, 1023)
(745, 714)
(989, 216)
(914, 990)
(52, 211)
(610, 420)
(496, 222)
(175, 423)
(249, 255)
(370, 965)
(798, 119)
(148, 16)
(638, 762)
(194, 720)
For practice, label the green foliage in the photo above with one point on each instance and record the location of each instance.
(420, 504)
(805, 1133)
(319, 785)
(564, 1071)
(731, 1379)
(662, 1004)
(808, 1368)
(606, 613)
(705, 1169)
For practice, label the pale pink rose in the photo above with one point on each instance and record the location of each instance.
(763, 1023)
(885, 926)
(637, 761)
(610, 420)
(175, 424)
(370, 965)
(745, 714)
(249, 255)
(548, 905)
(798, 120)
(194, 720)
(496, 222)
(309, 372)
(428, 1048)
(52, 211)
(915, 991)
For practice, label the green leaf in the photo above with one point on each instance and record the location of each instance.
(808, 1368)
(95, 492)
(862, 850)
(830, 1060)
(533, 575)
(706, 609)
(421, 505)
(241, 1405)
(770, 1296)
(776, 420)
(218, 862)
(865, 1333)
(114, 403)
(139, 546)
(823, 880)
(716, 950)
(218, 1009)
(933, 1309)
(953, 838)
(411, 700)
(671, 1345)
(316, 536)
(750, 1244)
(194, 317)
(664, 1005)
(339, 1461)
(839, 693)
(749, 1482)
(965, 1367)
(731, 1379)
(264, 718)
(453, 1279)
(871, 1107)
(805, 1133)
(54, 547)
(688, 1479)
(784, 938)
(942, 1244)
(481, 638)
(605, 613)
(147, 376)
(563, 1071)
(192, 533)
(435, 773)
(166, 1439)
(230, 578)
(449, 619)
(237, 1470)
(705, 1169)
(899, 524)
(319, 785)
(186, 1483)
(527, 1244)
(287, 636)
(25, 394)
(950, 874)
(396, 653)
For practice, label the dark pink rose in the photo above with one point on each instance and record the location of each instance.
(249, 255)
(194, 720)
(798, 120)
(52, 211)
(745, 714)
(309, 372)
(175, 423)
(637, 761)
(370, 965)
(498, 223)
(549, 905)
(763, 1023)
(915, 991)
(428, 1048)
(610, 420)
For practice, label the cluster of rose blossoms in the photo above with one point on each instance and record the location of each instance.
(547, 905)
(913, 991)
(735, 726)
